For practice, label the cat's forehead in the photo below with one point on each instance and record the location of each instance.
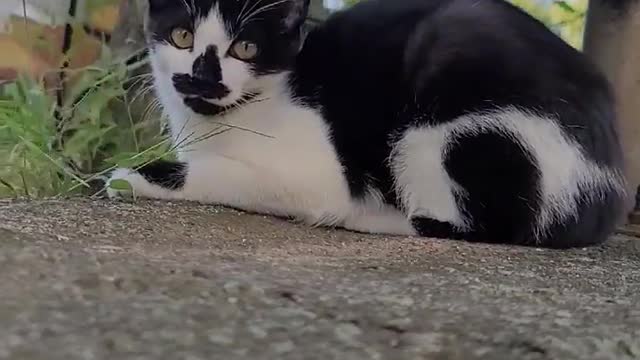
(233, 15)
(227, 8)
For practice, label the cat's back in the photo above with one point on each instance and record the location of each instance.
(370, 34)
(394, 49)
(410, 38)
(447, 58)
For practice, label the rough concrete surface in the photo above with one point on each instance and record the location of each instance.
(104, 280)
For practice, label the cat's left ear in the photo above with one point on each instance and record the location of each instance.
(297, 14)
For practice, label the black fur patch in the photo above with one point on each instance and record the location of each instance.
(192, 86)
(202, 107)
(169, 175)
(207, 66)
(437, 229)
(501, 185)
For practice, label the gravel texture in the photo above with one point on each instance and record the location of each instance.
(87, 279)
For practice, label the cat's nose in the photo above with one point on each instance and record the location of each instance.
(207, 66)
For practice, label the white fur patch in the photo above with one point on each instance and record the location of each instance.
(426, 189)
(235, 73)
(211, 30)
(423, 185)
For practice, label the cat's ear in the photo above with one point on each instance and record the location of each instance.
(297, 11)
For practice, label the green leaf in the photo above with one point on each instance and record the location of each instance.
(565, 6)
(120, 185)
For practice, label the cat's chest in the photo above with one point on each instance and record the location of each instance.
(277, 136)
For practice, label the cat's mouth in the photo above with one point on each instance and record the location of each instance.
(201, 106)
(200, 95)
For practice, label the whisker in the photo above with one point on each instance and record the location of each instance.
(143, 76)
(255, 11)
(142, 93)
(189, 9)
(258, 11)
(242, 18)
(244, 7)
(141, 81)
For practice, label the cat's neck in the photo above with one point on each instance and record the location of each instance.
(271, 107)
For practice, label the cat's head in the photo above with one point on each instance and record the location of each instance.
(215, 54)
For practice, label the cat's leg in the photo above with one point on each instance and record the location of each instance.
(501, 183)
(469, 185)
(386, 221)
(157, 180)
(217, 180)
(429, 227)
(426, 193)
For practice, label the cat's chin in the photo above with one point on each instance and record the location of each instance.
(203, 107)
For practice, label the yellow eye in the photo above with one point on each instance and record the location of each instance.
(244, 50)
(182, 38)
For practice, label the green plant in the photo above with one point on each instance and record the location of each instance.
(45, 155)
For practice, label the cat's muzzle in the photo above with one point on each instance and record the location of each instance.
(198, 93)
(191, 86)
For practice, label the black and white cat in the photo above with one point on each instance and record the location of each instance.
(462, 119)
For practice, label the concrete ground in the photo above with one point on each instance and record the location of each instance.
(103, 280)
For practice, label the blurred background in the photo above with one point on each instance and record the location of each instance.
(75, 97)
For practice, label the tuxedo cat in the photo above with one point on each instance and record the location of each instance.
(461, 119)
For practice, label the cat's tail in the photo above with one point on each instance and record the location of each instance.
(597, 214)
(595, 218)
(508, 186)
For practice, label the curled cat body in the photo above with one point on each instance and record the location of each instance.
(460, 119)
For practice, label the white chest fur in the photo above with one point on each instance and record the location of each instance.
(286, 145)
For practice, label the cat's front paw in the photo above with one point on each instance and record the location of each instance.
(122, 184)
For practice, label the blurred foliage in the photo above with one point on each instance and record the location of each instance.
(565, 18)
(50, 151)
(97, 4)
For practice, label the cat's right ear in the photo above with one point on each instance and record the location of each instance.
(297, 14)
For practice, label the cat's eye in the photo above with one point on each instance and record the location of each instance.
(182, 38)
(244, 50)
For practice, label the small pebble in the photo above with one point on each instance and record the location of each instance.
(347, 333)
(283, 347)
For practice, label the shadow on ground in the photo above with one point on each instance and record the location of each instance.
(103, 280)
